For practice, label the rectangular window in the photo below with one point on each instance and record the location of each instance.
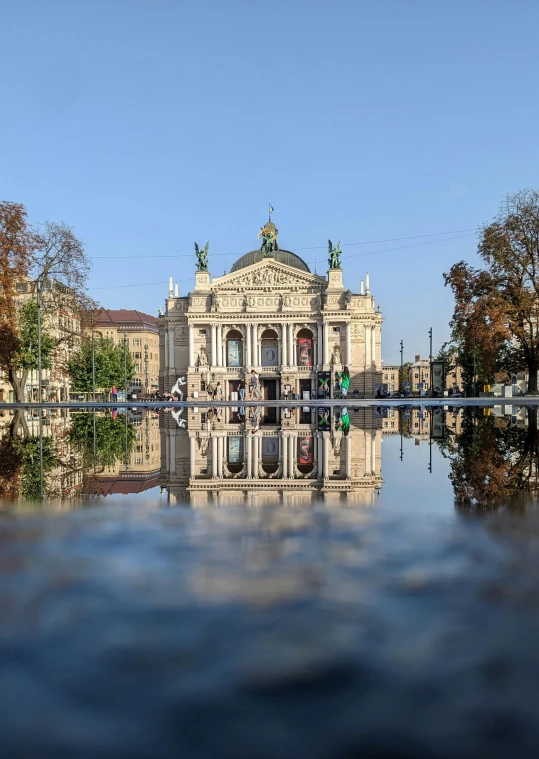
(336, 329)
(202, 332)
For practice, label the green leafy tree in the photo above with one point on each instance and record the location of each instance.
(112, 440)
(112, 365)
(30, 469)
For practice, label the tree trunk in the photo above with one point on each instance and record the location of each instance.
(18, 384)
(532, 371)
(18, 421)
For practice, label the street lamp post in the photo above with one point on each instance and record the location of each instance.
(38, 291)
(402, 367)
(125, 365)
(93, 367)
(430, 358)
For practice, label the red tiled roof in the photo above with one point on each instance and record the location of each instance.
(125, 317)
(118, 485)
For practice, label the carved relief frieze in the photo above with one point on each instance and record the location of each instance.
(269, 276)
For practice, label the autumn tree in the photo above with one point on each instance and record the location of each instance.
(496, 317)
(493, 463)
(47, 265)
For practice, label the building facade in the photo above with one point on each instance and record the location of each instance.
(64, 327)
(270, 313)
(207, 462)
(140, 334)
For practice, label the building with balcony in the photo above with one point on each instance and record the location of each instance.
(270, 313)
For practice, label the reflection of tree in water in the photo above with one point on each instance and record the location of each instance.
(23, 476)
(493, 463)
(20, 467)
(103, 440)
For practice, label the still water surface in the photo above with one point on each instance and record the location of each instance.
(173, 585)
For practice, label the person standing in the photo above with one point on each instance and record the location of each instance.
(218, 392)
(114, 393)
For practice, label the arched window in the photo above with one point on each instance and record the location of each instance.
(270, 350)
(305, 348)
(305, 454)
(234, 348)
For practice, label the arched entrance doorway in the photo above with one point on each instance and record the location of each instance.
(234, 349)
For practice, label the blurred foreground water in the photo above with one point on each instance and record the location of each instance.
(402, 624)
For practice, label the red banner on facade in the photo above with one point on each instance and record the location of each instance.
(305, 345)
(306, 450)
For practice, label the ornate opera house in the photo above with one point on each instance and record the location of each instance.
(271, 313)
(207, 460)
(298, 330)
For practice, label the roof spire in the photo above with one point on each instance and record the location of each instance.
(271, 209)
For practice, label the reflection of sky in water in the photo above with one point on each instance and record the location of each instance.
(408, 486)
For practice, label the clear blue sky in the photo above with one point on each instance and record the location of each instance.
(149, 124)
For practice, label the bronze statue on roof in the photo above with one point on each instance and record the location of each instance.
(202, 257)
(269, 234)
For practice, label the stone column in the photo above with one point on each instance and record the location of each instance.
(192, 449)
(348, 444)
(248, 440)
(213, 345)
(291, 345)
(219, 345)
(255, 344)
(368, 345)
(171, 362)
(368, 452)
(349, 343)
(220, 455)
(284, 455)
(326, 343)
(214, 469)
(284, 344)
(373, 454)
(292, 441)
(256, 454)
(373, 349)
(247, 343)
(319, 344)
(191, 346)
(172, 453)
(325, 444)
(166, 349)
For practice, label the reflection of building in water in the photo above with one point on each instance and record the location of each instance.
(139, 470)
(220, 462)
(390, 421)
(273, 314)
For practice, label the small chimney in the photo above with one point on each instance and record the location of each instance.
(417, 358)
(368, 284)
(176, 291)
(170, 288)
(361, 288)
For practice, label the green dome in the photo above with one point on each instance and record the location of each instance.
(283, 256)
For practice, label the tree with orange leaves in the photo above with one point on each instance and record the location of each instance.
(496, 317)
(49, 260)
